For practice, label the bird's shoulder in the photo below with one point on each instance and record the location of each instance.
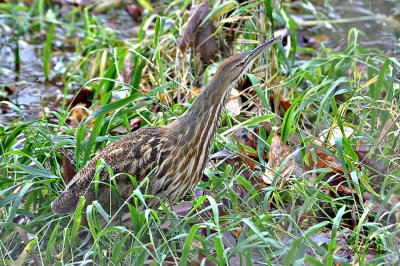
(127, 154)
(138, 142)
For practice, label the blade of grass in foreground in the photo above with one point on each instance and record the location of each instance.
(50, 249)
(188, 244)
(335, 228)
(100, 116)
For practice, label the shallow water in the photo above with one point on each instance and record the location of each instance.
(378, 20)
(26, 88)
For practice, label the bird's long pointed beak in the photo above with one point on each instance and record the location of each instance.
(256, 52)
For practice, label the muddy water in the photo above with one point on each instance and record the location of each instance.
(378, 20)
(25, 88)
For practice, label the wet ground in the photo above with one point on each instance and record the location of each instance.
(378, 20)
(26, 87)
(24, 84)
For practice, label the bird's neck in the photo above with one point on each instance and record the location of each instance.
(199, 123)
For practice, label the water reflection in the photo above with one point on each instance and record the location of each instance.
(27, 86)
(379, 20)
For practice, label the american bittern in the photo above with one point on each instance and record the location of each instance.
(173, 156)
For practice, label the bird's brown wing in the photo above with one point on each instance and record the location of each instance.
(136, 154)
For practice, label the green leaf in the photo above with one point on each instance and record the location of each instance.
(335, 228)
(219, 10)
(116, 105)
(47, 52)
(25, 252)
(188, 244)
(17, 201)
(50, 249)
(288, 121)
(269, 8)
(116, 257)
(146, 5)
(77, 220)
(219, 249)
(34, 171)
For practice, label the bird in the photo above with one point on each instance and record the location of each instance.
(172, 157)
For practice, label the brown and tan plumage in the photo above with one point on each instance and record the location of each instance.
(173, 157)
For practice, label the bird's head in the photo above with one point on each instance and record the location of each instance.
(235, 66)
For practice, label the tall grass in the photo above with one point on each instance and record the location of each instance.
(236, 219)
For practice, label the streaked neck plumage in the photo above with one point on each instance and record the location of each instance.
(198, 124)
(202, 117)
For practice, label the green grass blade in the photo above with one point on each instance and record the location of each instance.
(188, 244)
(47, 51)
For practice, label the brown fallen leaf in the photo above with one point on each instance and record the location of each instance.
(196, 90)
(135, 123)
(205, 43)
(354, 217)
(78, 113)
(278, 153)
(238, 232)
(285, 105)
(183, 208)
(319, 38)
(388, 125)
(223, 154)
(370, 161)
(68, 167)
(246, 138)
(201, 38)
(202, 259)
(144, 90)
(84, 96)
(374, 203)
(325, 161)
(135, 11)
(249, 145)
(9, 89)
(197, 14)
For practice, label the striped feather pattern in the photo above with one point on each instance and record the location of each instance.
(173, 157)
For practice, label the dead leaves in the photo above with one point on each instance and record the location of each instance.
(280, 160)
(199, 33)
(79, 104)
(320, 159)
(68, 169)
(68, 166)
(248, 147)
